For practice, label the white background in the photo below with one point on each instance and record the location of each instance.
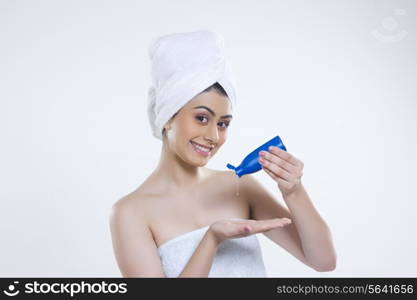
(75, 137)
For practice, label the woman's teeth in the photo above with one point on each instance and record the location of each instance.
(207, 150)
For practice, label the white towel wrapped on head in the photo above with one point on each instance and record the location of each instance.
(182, 66)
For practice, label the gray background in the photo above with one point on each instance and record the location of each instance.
(336, 80)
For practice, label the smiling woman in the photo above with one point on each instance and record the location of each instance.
(202, 124)
(185, 220)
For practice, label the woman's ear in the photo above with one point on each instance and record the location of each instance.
(168, 124)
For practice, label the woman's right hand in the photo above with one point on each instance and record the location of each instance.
(237, 228)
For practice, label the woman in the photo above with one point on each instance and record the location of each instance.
(186, 220)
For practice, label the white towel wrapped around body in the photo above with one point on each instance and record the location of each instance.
(237, 257)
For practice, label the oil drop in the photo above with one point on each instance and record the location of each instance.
(237, 186)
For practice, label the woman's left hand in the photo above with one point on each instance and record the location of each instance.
(283, 167)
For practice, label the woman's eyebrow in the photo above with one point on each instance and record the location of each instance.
(212, 112)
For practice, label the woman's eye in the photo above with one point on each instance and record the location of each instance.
(225, 123)
(200, 118)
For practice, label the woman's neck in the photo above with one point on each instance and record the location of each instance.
(176, 174)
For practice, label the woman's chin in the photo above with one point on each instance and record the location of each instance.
(200, 161)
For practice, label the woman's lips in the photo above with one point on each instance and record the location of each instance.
(204, 146)
(199, 151)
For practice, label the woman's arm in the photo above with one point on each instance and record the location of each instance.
(201, 261)
(314, 233)
(134, 247)
(308, 238)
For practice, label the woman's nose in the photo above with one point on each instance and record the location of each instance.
(213, 134)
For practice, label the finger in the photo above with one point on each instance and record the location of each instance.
(270, 173)
(277, 170)
(273, 157)
(265, 225)
(281, 221)
(284, 155)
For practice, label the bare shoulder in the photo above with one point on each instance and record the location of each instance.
(228, 175)
(232, 177)
(241, 186)
(251, 189)
(133, 204)
(249, 183)
(246, 182)
(226, 179)
(133, 244)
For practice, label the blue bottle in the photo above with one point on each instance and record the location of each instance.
(250, 164)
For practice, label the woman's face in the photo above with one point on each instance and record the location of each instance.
(204, 121)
